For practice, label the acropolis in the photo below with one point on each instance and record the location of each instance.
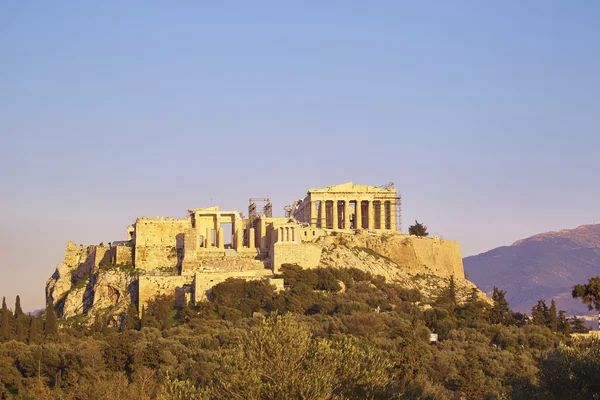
(185, 257)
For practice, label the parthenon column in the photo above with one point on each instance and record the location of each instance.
(371, 211)
(347, 211)
(313, 213)
(323, 211)
(382, 213)
(335, 215)
(358, 215)
(393, 215)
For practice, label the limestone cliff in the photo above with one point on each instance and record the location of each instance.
(86, 283)
(421, 263)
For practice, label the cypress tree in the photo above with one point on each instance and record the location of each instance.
(563, 323)
(51, 327)
(5, 322)
(5, 325)
(500, 312)
(35, 330)
(18, 309)
(552, 322)
(538, 316)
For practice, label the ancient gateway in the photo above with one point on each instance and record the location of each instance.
(185, 257)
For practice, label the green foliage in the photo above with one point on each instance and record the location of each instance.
(418, 229)
(18, 310)
(571, 372)
(589, 293)
(332, 334)
(578, 325)
(500, 312)
(51, 326)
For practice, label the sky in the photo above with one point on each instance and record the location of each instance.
(485, 115)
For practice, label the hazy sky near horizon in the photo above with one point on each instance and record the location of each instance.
(485, 115)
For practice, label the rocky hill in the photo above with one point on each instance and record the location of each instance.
(543, 266)
(86, 283)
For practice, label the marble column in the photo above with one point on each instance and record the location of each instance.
(323, 213)
(382, 217)
(207, 238)
(335, 215)
(347, 212)
(313, 213)
(371, 213)
(393, 215)
(221, 241)
(239, 239)
(251, 238)
(263, 232)
(358, 215)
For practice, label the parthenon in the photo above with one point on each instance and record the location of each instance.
(348, 206)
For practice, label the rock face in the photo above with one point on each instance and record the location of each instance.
(418, 263)
(82, 284)
(544, 266)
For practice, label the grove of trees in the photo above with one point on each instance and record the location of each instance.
(333, 334)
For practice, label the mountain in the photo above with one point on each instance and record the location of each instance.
(544, 266)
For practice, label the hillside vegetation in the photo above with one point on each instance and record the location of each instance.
(332, 334)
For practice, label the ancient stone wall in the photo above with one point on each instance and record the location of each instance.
(159, 243)
(307, 255)
(123, 255)
(416, 254)
(151, 286)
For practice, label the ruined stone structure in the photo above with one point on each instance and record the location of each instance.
(185, 257)
(349, 207)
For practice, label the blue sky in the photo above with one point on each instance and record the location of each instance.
(484, 115)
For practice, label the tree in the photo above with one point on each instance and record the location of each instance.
(447, 298)
(500, 312)
(418, 229)
(18, 309)
(563, 323)
(132, 321)
(35, 330)
(51, 327)
(552, 321)
(578, 325)
(539, 313)
(589, 293)
(5, 322)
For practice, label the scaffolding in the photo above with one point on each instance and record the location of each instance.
(260, 203)
(257, 207)
(390, 216)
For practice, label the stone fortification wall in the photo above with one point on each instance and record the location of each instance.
(306, 255)
(159, 243)
(416, 255)
(123, 255)
(151, 286)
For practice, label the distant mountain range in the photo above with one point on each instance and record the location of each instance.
(544, 266)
